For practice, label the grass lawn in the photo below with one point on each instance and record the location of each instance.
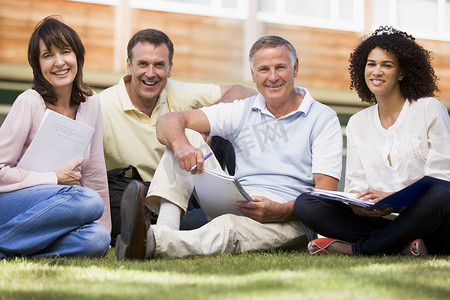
(269, 275)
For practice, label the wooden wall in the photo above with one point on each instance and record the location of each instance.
(94, 23)
(206, 48)
(323, 54)
(441, 63)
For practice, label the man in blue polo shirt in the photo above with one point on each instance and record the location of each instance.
(286, 143)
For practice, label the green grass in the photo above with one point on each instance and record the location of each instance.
(273, 275)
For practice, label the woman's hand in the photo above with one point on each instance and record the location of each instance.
(367, 212)
(69, 175)
(372, 196)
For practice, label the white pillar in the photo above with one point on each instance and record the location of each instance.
(122, 31)
(253, 29)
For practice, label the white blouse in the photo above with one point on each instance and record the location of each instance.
(418, 144)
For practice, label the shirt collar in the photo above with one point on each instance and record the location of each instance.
(125, 100)
(305, 106)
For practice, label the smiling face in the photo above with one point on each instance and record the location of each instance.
(382, 73)
(273, 72)
(149, 69)
(58, 66)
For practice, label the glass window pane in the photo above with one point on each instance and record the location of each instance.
(336, 14)
(417, 14)
(317, 8)
(267, 5)
(380, 13)
(346, 10)
(201, 2)
(447, 16)
(229, 3)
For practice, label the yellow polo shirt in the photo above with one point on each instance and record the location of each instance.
(130, 136)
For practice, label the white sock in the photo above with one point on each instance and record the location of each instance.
(169, 215)
(151, 245)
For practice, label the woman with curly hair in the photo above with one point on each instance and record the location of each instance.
(403, 137)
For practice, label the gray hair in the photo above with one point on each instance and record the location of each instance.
(271, 41)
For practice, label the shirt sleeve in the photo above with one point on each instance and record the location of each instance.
(438, 125)
(185, 96)
(224, 118)
(93, 175)
(355, 178)
(327, 150)
(16, 133)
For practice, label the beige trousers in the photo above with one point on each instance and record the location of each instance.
(224, 234)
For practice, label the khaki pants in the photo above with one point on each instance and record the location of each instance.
(224, 234)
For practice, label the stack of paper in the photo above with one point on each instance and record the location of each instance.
(341, 196)
(397, 201)
(59, 142)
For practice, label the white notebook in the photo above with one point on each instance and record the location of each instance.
(59, 141)
(217, 193)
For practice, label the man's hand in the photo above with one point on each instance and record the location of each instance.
(265, 210)
(69, 175)
(187, 156)
(233, 92)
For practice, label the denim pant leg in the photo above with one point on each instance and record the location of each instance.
(34, 218)
(88, 240)
(334, 219)
(428, 218)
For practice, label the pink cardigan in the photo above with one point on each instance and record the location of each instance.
(19, 129)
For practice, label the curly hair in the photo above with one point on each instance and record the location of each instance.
(415, 62)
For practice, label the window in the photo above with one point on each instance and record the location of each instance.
(429, 19)
(335, 14)
(218, 8)
(106, 2)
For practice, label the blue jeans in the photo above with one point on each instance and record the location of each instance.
(52, 220)
(428, 218)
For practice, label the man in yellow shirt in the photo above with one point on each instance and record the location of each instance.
(131, 107)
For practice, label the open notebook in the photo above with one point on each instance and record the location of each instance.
(217, 193)
(398, 201)
(59, 141)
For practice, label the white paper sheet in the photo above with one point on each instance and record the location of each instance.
(217, 193)
(58, 142)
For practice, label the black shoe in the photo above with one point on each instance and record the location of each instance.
(132, 241)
